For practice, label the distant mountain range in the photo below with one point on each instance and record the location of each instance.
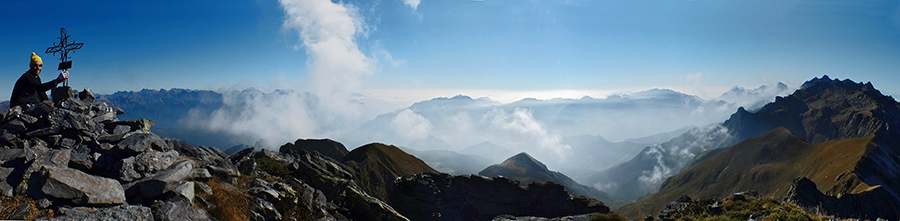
(649, 169)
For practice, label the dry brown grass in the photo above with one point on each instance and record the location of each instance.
(10, 204)
(229, 202)
(608, 217)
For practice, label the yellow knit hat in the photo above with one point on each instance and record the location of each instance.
(35, 58)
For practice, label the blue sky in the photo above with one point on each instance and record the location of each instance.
(450, 47)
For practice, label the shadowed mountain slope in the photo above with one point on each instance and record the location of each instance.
(525, 169)
(377, 165)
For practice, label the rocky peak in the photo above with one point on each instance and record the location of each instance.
(824, 109)
(326, 147)
(526, 162)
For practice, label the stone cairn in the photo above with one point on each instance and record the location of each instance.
(74, 156)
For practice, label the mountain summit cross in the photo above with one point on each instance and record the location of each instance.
(63, 49)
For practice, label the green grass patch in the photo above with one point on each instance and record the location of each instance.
(272, 167)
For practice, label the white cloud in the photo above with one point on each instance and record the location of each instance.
(413, 3)
(694, 77)
(522, 131)
(410, 125)
(327, 31)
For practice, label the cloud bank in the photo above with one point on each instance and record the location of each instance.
(326, 31)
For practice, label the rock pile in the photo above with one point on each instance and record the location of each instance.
(75, 157)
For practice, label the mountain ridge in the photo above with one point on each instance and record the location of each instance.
(525, 169)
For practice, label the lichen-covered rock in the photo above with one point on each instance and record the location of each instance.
(178, 210)
(153, 161)
(117, 213)
(139, 143)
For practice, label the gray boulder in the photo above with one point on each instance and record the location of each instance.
(61, 93)
(185, 190)
(200, 173)
(122, 212)
(81, 161)
(86, 95)
(127, 172)
(81, 188)
(76, 105)
(64, 119)
(39, 109)
(10, 154)
(162, 182)
(153, 161)
(6, 189)
(265, 209)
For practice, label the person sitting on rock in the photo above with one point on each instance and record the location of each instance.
(29, 90)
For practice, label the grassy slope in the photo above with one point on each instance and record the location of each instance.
(768, 164)
(377, 165)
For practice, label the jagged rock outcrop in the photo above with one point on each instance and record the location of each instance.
(870, 204)
(327, 147)
(436, 196)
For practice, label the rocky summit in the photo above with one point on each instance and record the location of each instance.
(73, 159)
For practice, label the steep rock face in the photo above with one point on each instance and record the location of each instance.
(433, 196)
(526, 169)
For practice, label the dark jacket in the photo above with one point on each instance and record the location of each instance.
(29, 90)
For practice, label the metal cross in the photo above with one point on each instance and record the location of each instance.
(63, 49)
